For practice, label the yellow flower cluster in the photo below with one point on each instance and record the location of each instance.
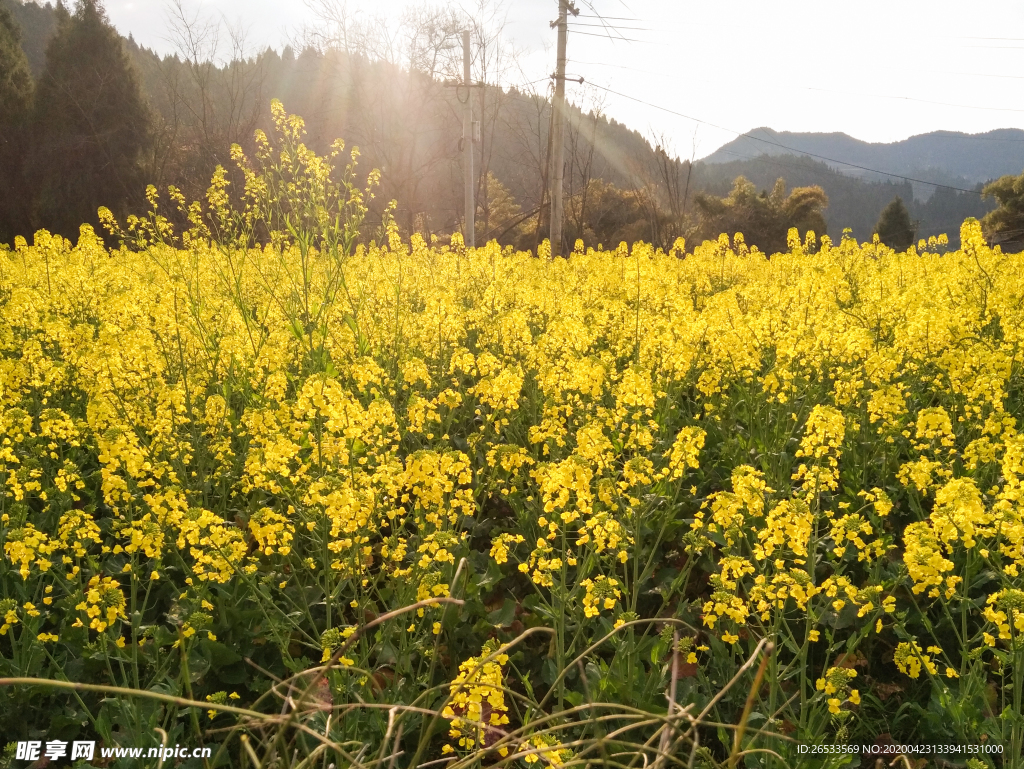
(546, 747)
(602, 593)
(28, 546)
(911, 659)
(836, 686)
(331, 639)
(476, 706)
(1005, 610)
(104, 603)
(355, 420)
(9, 610)
(272, 530)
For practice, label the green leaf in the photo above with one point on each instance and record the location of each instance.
(656, 652)
(491, 577)
(525, 678)
(504, 616)
(219, 654)
(548, 672)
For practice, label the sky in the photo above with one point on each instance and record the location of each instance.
(695, 74)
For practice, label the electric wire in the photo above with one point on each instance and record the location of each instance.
(608, 27)
(606, 18)
(615, 27)
(619, 37)
(911, 98)
(949, 135)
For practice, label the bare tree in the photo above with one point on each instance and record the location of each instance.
(582, 136)
(336, 28)
(397, 108)
(409, 124)
(673, 176)
(527, 146)
(213, 93)
(495, 60)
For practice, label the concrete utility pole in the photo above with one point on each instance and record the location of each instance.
(558, 128)
(469, 236)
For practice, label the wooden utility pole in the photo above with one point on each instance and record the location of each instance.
(557, 173)
(469, 236)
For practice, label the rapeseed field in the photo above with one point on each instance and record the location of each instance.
(692, 508)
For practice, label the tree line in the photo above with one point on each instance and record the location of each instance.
(88, 118)
(77, 135)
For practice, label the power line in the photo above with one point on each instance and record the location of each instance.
(618, 37)
(867, 95)
(774, 160)
(615, 27)
(608, 18)
(608, 28)
(949, 135)
(590, 5)
(911, 98)
(783, 146)
(979, 74)
(613, 66)
(931, 72)
(792, 149)
(523, 85)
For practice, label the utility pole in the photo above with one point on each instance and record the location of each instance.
(469, 236)
(558, 128)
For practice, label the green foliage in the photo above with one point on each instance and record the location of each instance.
(894, 227)
(38, 23)
(763, 218)
(15, 105)
(15, 79)
(91, 125)
(498, 213)
(609, 215)
(1006, 223)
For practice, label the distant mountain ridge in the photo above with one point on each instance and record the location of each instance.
(943, 157)
(320, 88)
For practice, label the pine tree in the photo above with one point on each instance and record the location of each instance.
(15, 108)
(1005, 225)
(894, 227)
(91, 124)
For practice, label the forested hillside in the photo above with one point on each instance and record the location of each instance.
(397, 107)
(853, 203)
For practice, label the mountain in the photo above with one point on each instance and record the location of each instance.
(944, 157)
(408, 124)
